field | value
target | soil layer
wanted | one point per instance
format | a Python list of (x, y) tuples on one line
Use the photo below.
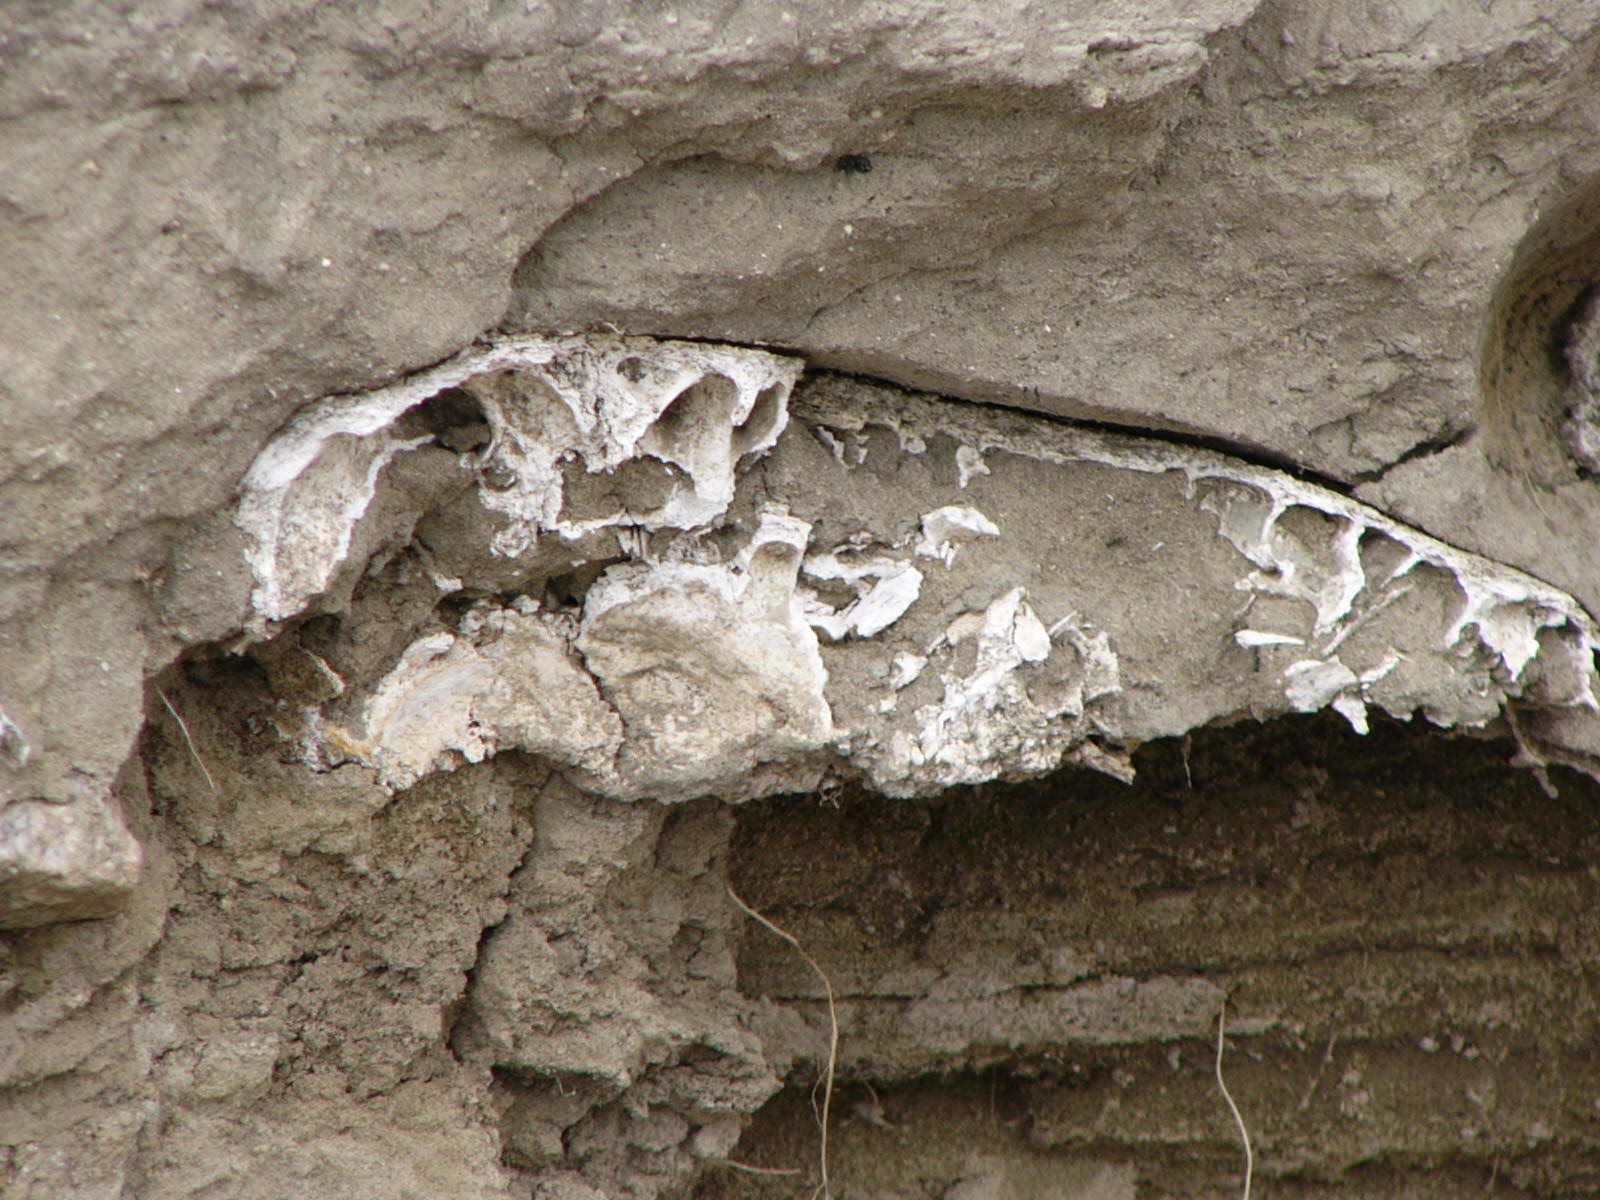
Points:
[(1403, 927)]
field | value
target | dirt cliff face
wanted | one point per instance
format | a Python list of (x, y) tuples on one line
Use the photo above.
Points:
[(556, 559)]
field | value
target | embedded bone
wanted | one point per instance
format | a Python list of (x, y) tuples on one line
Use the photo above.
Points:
[(606, 400), (886, 587), (1303, 544), (944, 529), (513, 684), (687, 675), (713, 670)]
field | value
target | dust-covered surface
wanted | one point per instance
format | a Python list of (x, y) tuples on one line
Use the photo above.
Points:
[(391, 620), (434, 891)]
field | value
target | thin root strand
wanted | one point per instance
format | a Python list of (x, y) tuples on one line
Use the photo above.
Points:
[(1244, 1134), (833, 1033)]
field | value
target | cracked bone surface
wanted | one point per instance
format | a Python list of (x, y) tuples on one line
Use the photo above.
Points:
[(689, 666), (1102, 527), (601, 402)]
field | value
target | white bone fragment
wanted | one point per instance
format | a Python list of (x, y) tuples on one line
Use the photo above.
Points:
[(893, 588), (944, 529), (1100, 667), (1353, 709), (885, 603), (987, 717), (906, 669), (871, 614), (1259, 637), (970, 464), (1311, 683), (1031, 638), (632, 541)]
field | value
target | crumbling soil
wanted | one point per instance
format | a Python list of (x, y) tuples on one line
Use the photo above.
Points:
[(254, 944), (1402, 927), (493, 984)]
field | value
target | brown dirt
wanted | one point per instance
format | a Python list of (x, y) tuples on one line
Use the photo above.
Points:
[(1403, 925)]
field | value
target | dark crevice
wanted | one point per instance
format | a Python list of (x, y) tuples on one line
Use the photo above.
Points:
[(1447, 440), (1257, 456), (458, 1011), (1245, 452)]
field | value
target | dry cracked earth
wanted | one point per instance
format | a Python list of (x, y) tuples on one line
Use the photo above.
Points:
[(610, 600)]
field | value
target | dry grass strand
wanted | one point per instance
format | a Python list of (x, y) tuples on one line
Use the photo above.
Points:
[(752, 1169), (1244, 1134), (183, 727), (833, 1035)]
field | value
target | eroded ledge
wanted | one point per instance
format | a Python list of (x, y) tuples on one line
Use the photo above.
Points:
[(911, 590)]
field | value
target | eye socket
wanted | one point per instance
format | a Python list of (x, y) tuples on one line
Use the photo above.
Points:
[(764, 416)]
